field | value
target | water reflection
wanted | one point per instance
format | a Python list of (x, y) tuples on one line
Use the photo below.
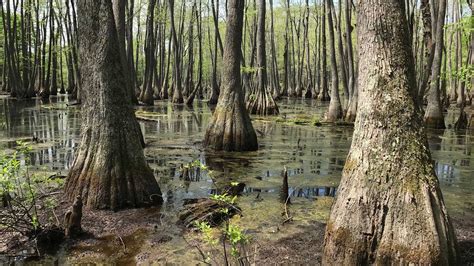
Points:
[(314, 156), (298, 192)]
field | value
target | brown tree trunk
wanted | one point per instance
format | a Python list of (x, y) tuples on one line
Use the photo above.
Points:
[(340, 48), (335, 109), (434, 117), (217, 41), (177, 90), (323, 93), (230, 128), (119, 13), (262, 102), (352, 73), (146, 95), (425, 9), (110, 171), (275, 76), (389, 209)]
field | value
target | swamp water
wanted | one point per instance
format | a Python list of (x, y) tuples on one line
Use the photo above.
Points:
[(313, 155)]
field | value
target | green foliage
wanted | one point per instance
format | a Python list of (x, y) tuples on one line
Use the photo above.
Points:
[(207, 233), (300, 120), (464, 74), (224, 198), (236, 236), (230, 234), (20, 192), (248, 70)]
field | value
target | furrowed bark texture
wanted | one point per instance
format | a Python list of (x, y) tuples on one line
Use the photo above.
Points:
[(389, 209), (109, 171), (230, 128)]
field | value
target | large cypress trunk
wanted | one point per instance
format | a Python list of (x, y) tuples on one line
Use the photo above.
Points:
[(389, 209), (230, 128), (110, 171)]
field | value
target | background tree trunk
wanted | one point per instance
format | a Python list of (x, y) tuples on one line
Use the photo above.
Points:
[(434, 117), (262, 102), (323, 93), (230, 128), (335, 109)]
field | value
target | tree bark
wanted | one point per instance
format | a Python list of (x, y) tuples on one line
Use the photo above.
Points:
[(323, 93), (230, 128), (109, 171), (389, 209), (262, 102), (146, 95), (335, 109), (177, 90), (119, 14), (434, 117)]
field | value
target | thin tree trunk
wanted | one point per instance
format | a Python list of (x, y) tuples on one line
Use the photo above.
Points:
[(323, 93), (434, 117), (335, 109)]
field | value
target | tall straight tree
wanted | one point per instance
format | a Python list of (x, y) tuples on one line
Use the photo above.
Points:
[(434, 117), (389, 209), (146, 95), (323, 93), (230, 128), (335, 109), (119, 7), (177, 90), (262, 102), (109, 171)]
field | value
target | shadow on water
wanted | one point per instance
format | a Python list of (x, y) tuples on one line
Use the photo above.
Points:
[(314, 156)]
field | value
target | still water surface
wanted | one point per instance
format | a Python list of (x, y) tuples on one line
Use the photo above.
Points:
[(314, 156)]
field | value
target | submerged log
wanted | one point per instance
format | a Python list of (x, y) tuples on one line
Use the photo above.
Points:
[(205, 210)]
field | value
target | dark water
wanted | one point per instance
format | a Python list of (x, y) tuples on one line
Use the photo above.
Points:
[(314, 156)]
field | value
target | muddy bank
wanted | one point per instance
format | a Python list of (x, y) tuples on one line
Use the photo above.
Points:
[(152, 235)]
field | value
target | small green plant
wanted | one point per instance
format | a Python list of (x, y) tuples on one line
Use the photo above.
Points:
[(21, 192), (229, 234), (248, 70), (236, 237), (300, 120), (206, 230)]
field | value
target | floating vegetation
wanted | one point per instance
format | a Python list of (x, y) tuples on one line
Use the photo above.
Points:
[(300, 119)]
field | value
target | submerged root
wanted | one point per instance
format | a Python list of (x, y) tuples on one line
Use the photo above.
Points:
[(262, 104), (334, 112), (231, 130)]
